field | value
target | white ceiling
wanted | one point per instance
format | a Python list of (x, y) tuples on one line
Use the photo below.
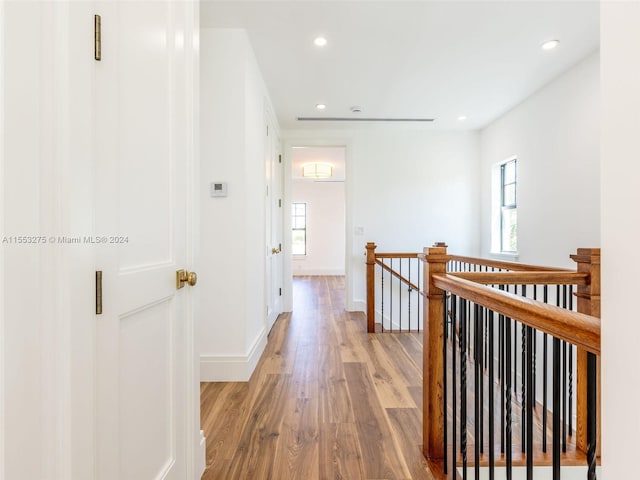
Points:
[(439, 59), (334, 156)]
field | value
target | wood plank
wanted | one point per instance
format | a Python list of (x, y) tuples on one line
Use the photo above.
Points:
[(340, 455), (335, 402), (377, 443), (297, 447), (387, 377), (407, 427), (223, 413), (255, 454)]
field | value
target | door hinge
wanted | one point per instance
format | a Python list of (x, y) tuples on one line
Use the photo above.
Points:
[(97, 37), (280, 291), (279, 158), (267, 130), (280, 202), (98, 292)]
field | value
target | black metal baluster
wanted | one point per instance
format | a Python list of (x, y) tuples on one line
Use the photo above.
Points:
[(480, 312), (409, 309), (523, 376), (382, 299), (507, 400), (468, 330), (390, 297), (529, 402), (419, 284), (570, 370), (564, 397), (463, 387), (592, 412), (555, 437), (491, 394), (444, 376), (501, 369), (477, 385), (535, 351), (400, 296), (564, 380), (515, 360), (454, 379), (515, 353), (486, 342)]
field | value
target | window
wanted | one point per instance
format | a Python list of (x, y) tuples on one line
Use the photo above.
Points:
[(508, 207), (299, 228)]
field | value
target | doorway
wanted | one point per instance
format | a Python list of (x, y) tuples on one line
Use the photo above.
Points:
[(318, 213)]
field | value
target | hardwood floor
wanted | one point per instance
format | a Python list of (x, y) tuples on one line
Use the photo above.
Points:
[(326, 401)]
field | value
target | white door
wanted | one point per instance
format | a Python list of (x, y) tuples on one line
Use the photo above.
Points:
[(143, 150), (275, 205)]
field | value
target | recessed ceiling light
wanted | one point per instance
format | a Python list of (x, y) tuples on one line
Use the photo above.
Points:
[(321, 106), (320, 41), (550, 44), (462, 118)]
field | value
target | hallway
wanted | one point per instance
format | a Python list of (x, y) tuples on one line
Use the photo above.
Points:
[(326, 401)]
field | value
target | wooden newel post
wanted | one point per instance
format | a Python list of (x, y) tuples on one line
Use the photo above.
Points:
[(371, 287), (588, 301), (435, 262)]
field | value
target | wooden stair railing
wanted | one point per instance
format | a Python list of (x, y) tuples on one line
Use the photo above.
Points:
[(581, 328), (373, 259)]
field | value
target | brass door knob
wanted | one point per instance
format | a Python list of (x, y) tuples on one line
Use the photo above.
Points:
[(183, 276), (275, 251)]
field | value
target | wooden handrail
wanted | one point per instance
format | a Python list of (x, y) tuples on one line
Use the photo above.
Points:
[(525, 278), (398, 276), (397, 255), (514, 266), (573, 327), (374, 258)]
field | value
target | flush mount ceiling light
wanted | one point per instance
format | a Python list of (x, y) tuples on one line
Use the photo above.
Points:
[(320, 41), (317, 170), (549, 44), (321, 106), (462, 118)]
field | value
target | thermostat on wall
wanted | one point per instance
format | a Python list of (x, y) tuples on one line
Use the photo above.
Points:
[(218, 189)]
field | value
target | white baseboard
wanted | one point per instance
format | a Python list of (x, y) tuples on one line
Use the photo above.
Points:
[(318, 271), (357, 306), (227, 368)]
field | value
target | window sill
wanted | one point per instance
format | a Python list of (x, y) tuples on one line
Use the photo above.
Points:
[(299, 257)]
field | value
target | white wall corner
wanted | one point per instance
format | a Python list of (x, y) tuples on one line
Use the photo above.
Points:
[(230, 368), (357, 306)]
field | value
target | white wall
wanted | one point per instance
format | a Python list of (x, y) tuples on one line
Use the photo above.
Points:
[(231, 261), (325, 228), (406, 187), (620, 47), (555, 136)]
